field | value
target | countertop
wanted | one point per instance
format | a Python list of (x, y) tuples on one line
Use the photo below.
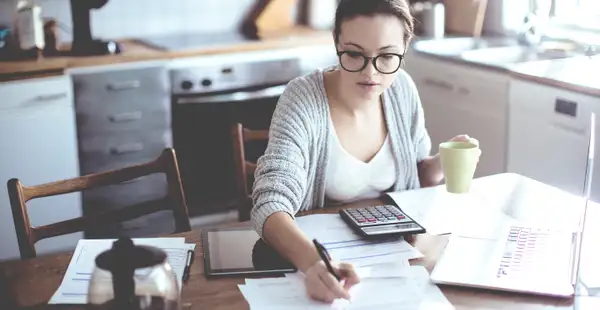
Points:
[(134, 50), (579, 74)]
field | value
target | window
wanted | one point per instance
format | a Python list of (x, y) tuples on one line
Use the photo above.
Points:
[(578, 14)]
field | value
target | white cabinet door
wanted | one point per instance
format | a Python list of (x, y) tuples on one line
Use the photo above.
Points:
[(548, 134), (460, 99), (38, 145)]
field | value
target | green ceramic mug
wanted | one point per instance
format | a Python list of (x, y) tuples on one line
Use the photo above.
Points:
[(459, 161)]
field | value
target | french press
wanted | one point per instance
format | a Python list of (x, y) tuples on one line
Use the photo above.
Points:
[(133, 277)]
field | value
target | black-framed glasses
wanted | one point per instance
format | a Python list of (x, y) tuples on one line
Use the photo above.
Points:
[(385, 63)]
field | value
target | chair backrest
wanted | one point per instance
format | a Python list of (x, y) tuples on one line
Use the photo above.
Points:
[(27, 235), (244, 169)]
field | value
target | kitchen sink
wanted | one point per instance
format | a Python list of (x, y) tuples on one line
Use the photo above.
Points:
[(456, 46), (514, 54)]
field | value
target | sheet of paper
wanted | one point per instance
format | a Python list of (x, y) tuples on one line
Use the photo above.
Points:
[(74, 287), (326, 228), (383, 270), (430, 207), (385, 286), (498, 200), (365, 252)]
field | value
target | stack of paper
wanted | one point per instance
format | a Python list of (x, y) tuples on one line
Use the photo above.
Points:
[(343, 244), (384, 286), (74, 287)]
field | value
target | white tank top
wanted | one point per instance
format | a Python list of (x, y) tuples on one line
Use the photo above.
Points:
[(349, 179)]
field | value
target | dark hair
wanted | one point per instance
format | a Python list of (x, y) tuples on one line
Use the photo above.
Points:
[(348, 9)]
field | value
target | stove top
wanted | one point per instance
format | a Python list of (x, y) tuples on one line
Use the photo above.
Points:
[(183, 41)]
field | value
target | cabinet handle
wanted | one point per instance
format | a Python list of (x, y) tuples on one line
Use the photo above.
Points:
[(37, 101), (439, 84), (125, 117), (240, 96), (50, 97), (124, 85), (127, 148)]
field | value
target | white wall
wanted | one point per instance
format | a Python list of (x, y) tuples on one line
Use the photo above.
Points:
[(504, 16), (140, 18)]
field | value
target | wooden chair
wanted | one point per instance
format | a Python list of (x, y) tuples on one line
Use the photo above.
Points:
[(244, 169), (27, 235)]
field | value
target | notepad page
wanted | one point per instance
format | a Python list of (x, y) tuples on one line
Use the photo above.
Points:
[(74, 286), (401, 287)]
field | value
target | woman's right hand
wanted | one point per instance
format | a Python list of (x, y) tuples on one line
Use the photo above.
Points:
[(322, 285)]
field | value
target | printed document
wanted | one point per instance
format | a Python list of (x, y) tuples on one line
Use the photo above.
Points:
[(74, 287), (385, 286), (494, 201), (343, 244), (327, 228)]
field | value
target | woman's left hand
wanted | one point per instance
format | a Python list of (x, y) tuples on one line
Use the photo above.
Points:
[(466, 138)]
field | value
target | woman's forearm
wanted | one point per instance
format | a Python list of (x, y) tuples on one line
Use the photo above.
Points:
[(283, 234), (430, 171)]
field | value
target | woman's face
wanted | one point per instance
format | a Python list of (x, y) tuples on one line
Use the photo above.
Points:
[(370, 36)]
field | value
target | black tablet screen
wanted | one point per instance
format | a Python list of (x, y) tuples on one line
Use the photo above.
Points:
[(240, 251)]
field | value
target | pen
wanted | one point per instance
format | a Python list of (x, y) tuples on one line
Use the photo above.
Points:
[(325, 257), (188, 263)]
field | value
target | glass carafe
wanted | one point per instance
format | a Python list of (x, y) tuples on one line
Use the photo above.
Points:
[(133, 277)]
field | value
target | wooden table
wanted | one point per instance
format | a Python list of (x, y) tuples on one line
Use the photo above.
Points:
[(31, 283)]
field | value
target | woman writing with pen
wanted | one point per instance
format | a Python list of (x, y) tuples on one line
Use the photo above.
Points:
[(349, 132)]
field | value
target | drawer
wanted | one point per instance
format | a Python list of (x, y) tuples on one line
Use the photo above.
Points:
[(135, 88), (559, 108), (106, 152), (36, 91), (121, 118)]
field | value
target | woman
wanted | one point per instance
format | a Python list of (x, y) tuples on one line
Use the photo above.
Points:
[(344, 133)]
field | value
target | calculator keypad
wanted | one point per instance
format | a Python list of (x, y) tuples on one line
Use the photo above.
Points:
[(385, 214)]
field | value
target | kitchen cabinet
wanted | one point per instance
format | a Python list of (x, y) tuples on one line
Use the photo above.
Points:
[(462, 99), (124, 119), (548, 135), (38, 142)]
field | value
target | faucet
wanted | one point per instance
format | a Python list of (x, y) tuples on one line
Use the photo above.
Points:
[(530, 33), (591, 50)]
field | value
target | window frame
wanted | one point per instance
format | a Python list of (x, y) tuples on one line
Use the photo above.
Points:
[(575, 21)]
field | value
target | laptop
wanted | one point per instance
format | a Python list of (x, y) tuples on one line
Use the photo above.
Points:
[(523, 259)]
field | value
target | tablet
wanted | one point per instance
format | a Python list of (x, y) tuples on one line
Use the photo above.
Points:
[(240, 251)]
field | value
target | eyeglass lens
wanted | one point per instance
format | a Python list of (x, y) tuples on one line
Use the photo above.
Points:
[(384, 63)]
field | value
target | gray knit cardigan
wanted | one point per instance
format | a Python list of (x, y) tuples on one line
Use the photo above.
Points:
[(290, 176)]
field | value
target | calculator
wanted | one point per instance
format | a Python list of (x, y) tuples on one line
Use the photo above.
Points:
[(383, 220)]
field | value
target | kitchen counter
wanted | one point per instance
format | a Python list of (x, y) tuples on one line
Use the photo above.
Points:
[(578, 73), (134, 50)]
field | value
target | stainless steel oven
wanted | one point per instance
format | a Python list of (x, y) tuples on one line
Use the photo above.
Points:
[(207, 99)]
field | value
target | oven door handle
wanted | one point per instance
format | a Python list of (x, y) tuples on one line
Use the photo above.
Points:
[(239, 96)]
